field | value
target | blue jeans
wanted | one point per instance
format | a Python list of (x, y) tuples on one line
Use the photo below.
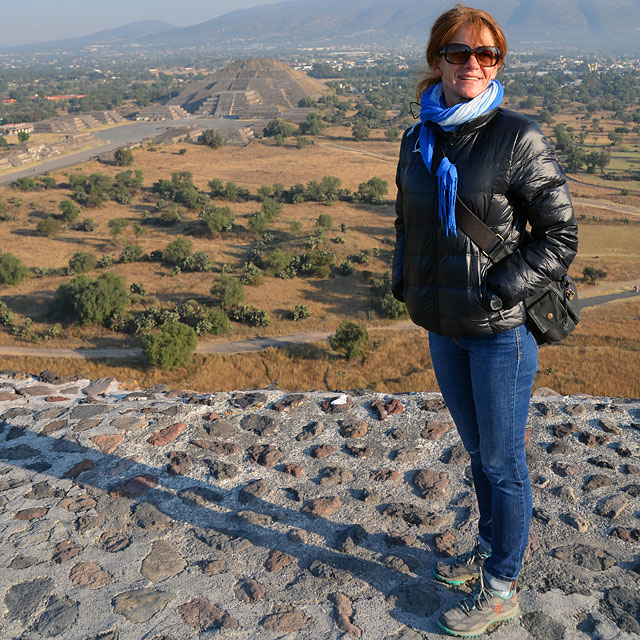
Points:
[(486, 381)]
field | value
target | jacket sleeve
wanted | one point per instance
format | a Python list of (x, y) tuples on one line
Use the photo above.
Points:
[(397, 277), (538, 190)]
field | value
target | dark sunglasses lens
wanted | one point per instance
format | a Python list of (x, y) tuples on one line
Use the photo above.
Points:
[(457, 53), (486, 57), (460, 53)]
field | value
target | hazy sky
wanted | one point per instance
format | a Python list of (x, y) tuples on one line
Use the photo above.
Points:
[(27, 21)]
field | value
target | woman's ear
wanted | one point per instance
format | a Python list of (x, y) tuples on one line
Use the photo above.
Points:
[(435, 67)]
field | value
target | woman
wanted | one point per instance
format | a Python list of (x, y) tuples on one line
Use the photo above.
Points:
[(483, 354)]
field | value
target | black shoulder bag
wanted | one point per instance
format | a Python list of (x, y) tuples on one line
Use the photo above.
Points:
[(552, 313)]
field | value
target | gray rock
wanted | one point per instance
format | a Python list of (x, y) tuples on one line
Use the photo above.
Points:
[(220, 429), (19, 452), (140, 605), (22, 600), (542, 627), (622, 605), (242, 401), (221, 470), (148, 516), (612, 506), (310, 431), (200, 496), (585, 556), (261, 425), (162, 562), (101, 385), (60, 615), (85, 411), (597, 481), (254, 490)]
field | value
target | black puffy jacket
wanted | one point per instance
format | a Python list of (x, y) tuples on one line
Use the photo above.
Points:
[(508, 176)]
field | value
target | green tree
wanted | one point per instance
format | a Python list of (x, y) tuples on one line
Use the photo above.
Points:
[(23, 136), (171, 346), (229, 291), (313, 125), (278, 127), (350, 339), (3, 143), (12, 271), (117, 226), (123, 157), (324, 221), (360, 131), (91, 301), (217, 219), (373, 190), (391, 134), (591, 274), (211, 138), (69, 211), (82, 261), (49, 227), (131, 253), (176, 252)]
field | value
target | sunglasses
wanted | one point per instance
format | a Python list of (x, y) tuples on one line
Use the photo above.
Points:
[(459, 54)]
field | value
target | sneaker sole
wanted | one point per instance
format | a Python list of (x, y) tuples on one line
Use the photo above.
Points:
[(455, 583), (467, 634)]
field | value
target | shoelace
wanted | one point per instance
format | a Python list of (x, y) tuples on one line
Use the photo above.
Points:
[(470, 556), (476, 600)]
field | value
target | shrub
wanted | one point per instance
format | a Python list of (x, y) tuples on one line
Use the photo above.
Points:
[(91, 301), (211, 138), (123, 157), (252, 274), (104, 262), (138, 288), (347, 268), (82, 261), (6, 315), (317, 264), (23, 330), (69, 211), (300, 312), (392, 308), (372, 191), (258, 223), (172, 346), (88, 224), (271, 208), (350, 339), (324, 221), (117, 226), (215, 322), (250, 315), (276, 262), (131, 253), (49, 227), (200, 261), (229, 291), (295, 226), (278, 127), (176, 252), (170, 217), (302, 142), (40, 272), (360, 131), (391, 134), (217, 219), (12, 270)]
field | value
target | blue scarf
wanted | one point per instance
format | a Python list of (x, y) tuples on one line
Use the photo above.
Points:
[(433, 109)]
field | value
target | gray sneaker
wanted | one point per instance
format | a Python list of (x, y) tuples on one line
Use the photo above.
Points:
[(462, 568), (479, 611)]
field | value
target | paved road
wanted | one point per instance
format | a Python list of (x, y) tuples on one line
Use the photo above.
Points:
[(609, 206), (119, 136)]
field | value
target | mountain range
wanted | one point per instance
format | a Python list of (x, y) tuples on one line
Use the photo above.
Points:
[(537, 25)]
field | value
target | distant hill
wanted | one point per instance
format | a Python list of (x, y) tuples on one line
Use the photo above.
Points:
[(125, 34), (540, 25)]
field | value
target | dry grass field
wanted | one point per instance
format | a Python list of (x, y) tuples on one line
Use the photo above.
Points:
[(601, 358)]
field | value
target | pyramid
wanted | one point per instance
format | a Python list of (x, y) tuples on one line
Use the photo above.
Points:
[(253, 88)]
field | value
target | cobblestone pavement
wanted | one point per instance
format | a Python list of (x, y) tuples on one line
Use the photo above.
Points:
[(162, 514)]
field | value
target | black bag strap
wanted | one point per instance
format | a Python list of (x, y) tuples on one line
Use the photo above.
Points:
[(490, 243)]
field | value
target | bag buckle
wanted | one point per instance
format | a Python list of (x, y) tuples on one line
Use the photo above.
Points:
[(499, 251)]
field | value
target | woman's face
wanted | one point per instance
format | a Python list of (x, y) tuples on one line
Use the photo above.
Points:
[(463, 82)]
